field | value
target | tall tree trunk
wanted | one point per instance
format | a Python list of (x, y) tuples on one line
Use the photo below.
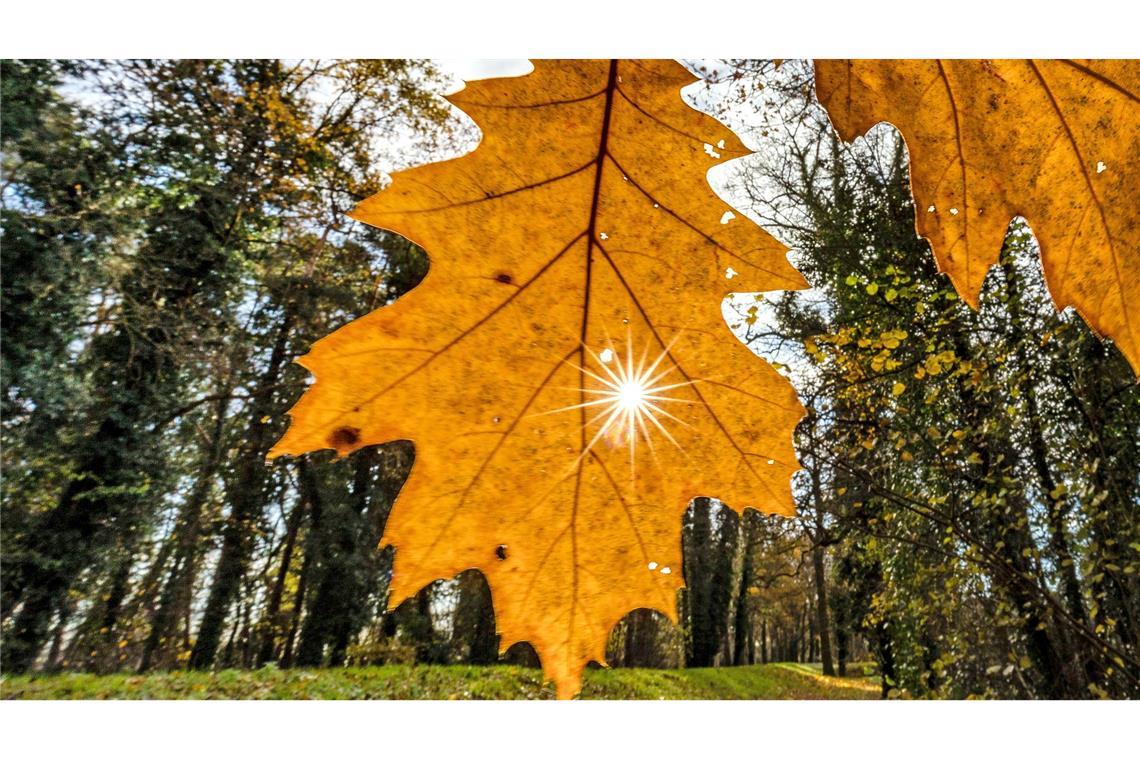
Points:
[(1044, 650), (709, 579), (1014, 573), (823, 624), (94, 645), (310, 495), (337, 607), (272, 620), (745, 644), (247, 500), (174, 600), (295, 616), (842, 626), (812, 640), (357, 548), (702, 640), (641, 637), (1057, 511), (885, 655), (145, 599), (55, 654), (1056, 503), (117, 593), (475, 620)]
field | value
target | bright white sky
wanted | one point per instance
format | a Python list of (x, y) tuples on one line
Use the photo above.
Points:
[(470, 69)]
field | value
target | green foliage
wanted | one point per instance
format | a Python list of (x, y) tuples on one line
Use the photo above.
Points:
[(167, 251), (962, 469)]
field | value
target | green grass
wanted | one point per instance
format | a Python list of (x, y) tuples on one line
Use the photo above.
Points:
[(776, 681)]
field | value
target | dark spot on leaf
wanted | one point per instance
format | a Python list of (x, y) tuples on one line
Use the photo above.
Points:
[(344, 437), (504, 278), (501, 551)]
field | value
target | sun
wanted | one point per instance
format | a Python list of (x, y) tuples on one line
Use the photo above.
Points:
[(628, 399), (631, 395)]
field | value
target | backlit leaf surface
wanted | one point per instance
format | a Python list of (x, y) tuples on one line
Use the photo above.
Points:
[(580, 236)]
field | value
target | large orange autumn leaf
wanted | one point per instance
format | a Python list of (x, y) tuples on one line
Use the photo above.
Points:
[(1057, 142), (580, 237)]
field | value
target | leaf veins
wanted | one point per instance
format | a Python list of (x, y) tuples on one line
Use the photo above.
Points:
[(581, 227), (1057, 142)]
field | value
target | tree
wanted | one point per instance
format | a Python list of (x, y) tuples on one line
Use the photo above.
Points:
[(922, 412), (190, 136), (709, 539)]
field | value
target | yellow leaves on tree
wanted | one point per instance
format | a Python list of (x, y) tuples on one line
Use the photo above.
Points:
[(1057, 142), (564, 370)]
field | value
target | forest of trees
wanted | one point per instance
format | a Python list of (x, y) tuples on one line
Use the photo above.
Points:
[(175, 234)]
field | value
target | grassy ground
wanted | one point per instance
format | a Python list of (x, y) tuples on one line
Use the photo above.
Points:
[(776, 681)]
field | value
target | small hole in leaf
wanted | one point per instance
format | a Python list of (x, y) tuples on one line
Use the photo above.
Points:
[(496, 419), (652, 565), (930, 209), (606, 356), (604, 236), (730, 273), (1100, 167), (501, 551), (727, 217), (953, 212), (665, 571)]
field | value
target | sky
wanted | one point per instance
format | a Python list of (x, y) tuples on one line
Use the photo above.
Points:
[(470, 69)]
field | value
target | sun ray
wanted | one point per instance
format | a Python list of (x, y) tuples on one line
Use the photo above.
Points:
[(629, 396), (596, 402), (661, 411), (665, 432)]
